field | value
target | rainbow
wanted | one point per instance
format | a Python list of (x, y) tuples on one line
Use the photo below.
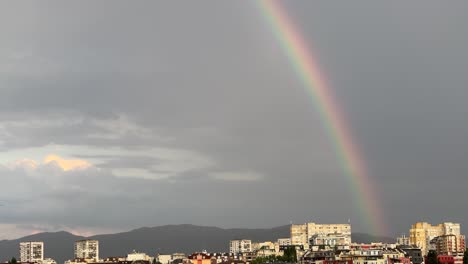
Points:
[(307, 68)]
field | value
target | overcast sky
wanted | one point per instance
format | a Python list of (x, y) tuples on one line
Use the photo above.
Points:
[(117, 115)]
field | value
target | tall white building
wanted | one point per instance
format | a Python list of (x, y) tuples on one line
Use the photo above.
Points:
[(240, 246), (87, 249), (31, 251), (302, 234)]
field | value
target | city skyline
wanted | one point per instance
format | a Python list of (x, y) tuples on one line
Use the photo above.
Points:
[(307, 240), (233, 114)]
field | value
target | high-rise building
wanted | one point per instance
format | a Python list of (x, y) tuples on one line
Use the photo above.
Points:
[(31, 251), (451, 245), (299, 235), (240, 246), (302, 234), (87, 249), (422, 233)]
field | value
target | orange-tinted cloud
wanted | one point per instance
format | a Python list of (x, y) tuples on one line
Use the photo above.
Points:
[(67, 164)]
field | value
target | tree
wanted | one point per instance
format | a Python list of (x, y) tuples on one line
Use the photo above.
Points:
[(13, 261), (432, 257), (465, 257), (290, 254)]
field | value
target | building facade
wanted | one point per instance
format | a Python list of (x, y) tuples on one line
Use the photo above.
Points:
[(376, 253), (403, 240), (284, 241), (330, 240), (164, 258), (413, 253), (87, 249), (31, 251), (48, 261), (299, 235), (451, 245), (302, 234), (422, 233), (240, 246), (135, 256)]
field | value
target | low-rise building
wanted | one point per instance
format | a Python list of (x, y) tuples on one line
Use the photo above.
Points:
[(47, 261), (76, 261), (331, 240), (375, 253), (284, 241), (403, 240), (164, 258), (134, 256), (413, 253), (217, 258), (443, 259), (176, 256)]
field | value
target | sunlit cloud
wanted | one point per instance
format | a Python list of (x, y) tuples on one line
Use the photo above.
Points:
[(27, 164), (67, 164)]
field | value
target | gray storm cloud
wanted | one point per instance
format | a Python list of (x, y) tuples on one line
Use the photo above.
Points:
[(191, 113)]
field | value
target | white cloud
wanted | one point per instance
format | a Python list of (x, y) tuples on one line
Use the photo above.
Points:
[(166, 162)]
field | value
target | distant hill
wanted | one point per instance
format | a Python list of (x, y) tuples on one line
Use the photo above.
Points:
[(161, 239), (58, 245)]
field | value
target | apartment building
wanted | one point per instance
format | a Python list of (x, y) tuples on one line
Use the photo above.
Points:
[(422, 233), (48, 261), (31, 251), (87, 249), (330, 240), (215, 258), (451, 245), (240, 246), (412, 252), (299, 235), (136, 256), (284, 241), (355, 254), (302, 234), (403, 240), (263, 245)]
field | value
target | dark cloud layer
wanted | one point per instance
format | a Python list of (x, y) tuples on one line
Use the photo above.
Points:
[(191, 113)]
